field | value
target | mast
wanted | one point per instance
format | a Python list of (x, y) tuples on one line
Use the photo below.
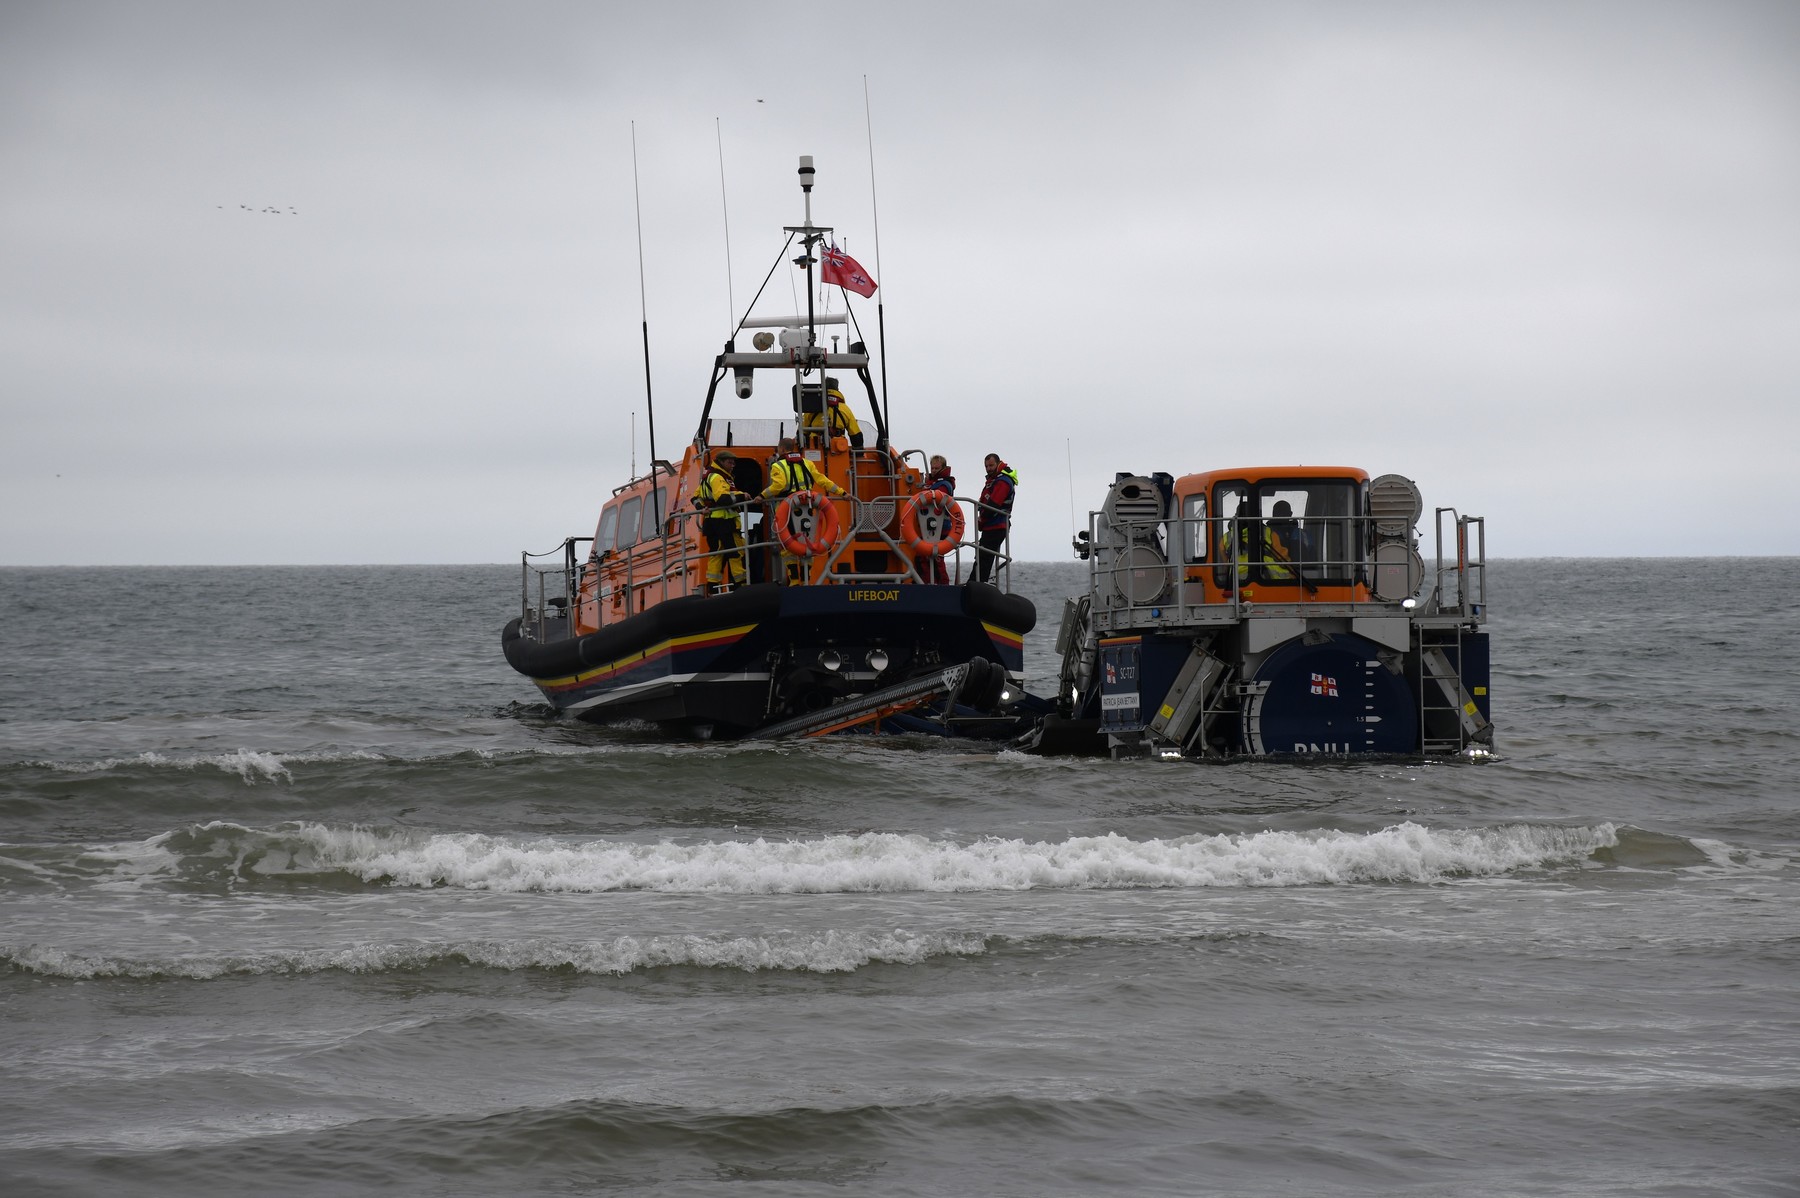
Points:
[(810, 239), (810, 358)]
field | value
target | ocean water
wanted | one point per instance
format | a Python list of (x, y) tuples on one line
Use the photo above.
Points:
[(302, 891)]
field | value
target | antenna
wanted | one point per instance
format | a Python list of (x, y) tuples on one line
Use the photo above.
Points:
[(806, 186), (730, 298), (875, 210), (644, 313)]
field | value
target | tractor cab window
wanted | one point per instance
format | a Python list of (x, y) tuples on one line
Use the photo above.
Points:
[(1285, 535), (1231, 501), (1193, 527), (1231, 540), (1311, 525)]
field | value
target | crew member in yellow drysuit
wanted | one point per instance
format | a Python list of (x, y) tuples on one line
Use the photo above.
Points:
[(720, 499), (837, 418), (789, 474)]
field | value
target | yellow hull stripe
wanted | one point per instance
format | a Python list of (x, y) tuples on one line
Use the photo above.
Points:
[(657, 650), (1003, 636)]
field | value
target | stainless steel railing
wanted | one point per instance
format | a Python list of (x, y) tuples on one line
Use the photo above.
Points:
[(1153, 570), (552, 582)]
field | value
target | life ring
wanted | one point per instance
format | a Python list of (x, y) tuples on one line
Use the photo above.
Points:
[(939, 505), (824, 524)]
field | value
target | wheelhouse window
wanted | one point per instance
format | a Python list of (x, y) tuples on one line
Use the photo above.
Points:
[(655, 505), (628, 521), (609, 525), (665, 502)]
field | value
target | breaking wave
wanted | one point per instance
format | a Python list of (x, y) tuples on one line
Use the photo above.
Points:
[(821, 952), (867, 862), (247, 764)]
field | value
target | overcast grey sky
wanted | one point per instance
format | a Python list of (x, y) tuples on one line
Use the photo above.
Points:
[(1542, 258)]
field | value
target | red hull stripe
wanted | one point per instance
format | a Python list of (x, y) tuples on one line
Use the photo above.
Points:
[(702, 640), (1004, 637)]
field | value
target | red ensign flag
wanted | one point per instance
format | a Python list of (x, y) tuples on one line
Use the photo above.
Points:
[(835, 266)]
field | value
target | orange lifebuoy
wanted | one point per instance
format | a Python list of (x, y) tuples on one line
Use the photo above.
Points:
[(824, 523), (931, 503)]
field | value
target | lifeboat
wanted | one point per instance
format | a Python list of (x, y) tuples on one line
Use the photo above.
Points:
[(813, 589), (1273, 611)]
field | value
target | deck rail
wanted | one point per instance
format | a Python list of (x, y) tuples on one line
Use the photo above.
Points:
[(552, 582), (1201, 570)]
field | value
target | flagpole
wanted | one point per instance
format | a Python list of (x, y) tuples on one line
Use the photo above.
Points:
[(875, 210)]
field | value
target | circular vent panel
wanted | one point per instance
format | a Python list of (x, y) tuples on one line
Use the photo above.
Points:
[(1394, 505), (1140, 575)]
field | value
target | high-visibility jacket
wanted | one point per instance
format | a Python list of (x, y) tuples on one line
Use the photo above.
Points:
[(1274, 558), (791, 473), (718, 495)]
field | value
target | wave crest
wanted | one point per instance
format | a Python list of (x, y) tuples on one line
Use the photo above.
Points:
[(866, 862), (247, 764), (821, 952)]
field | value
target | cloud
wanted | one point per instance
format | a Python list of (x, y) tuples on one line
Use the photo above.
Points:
[(1540, 258)]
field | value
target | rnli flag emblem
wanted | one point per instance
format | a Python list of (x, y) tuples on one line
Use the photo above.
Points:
[(840, 268), (1324, 685)]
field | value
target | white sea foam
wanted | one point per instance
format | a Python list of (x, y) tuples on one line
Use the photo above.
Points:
[(247, 764), (1724, 858), (250, 766), (822, 952), (1406, 852)]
